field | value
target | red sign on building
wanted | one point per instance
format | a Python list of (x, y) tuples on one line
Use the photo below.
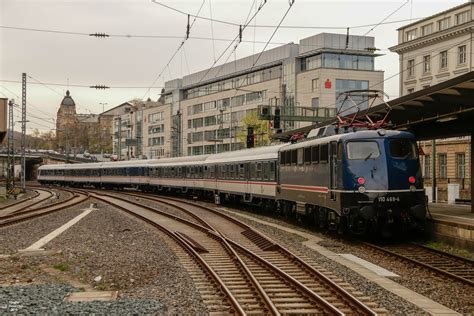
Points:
[(327, 84)]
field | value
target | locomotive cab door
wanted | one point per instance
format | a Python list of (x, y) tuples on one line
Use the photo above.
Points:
[(332, 169)]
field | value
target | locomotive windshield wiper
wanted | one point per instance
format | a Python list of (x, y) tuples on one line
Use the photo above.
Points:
[(370, 155)]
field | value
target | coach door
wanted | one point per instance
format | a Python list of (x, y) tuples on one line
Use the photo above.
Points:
[(333, 169)]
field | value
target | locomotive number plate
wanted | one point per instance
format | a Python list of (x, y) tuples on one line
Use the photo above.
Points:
[(388, 199)]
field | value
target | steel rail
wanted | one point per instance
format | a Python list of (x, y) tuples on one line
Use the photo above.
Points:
[(352, 299), (233, 301), (41, 211), (423, 264), (20, 201), (336, 288)]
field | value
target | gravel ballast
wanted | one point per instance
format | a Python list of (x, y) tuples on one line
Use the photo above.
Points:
[(106, 250), (49, 299), (445, 291)]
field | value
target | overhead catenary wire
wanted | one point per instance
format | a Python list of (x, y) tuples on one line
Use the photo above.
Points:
[(189, 27), (112, 35), (233, 52), (241, 29), (270, 26)]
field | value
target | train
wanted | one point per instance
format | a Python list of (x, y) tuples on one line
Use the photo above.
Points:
[(362, 182)]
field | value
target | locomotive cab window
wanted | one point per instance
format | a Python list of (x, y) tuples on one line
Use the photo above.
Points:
[(362, 150), (282, 158), (402, 149), (288, 157)]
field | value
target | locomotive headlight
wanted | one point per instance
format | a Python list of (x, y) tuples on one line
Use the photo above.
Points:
[(361, 180), (411, 179), (361, 189), (412, 188)]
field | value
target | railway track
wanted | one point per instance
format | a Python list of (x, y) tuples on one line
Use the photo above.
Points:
[(260, 275), (26, 213), (21, 201), (455, 267), (41, 196)]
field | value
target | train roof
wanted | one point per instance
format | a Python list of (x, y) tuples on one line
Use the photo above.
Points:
[(366, 134), (178, 161), (260, 153)]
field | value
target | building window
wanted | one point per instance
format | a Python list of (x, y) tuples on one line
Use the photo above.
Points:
[(426, 87), (410, 90), (427, 165), (444, 24), (427, 29), (315, 103), (315, 84), (443, 166), (426, 64), (411, 35), (462, 17), (460, 166), (462, 54), (411, 68), (443, 59)]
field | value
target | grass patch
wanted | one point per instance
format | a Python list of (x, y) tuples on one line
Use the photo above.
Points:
[(450, 249), (61, 266)]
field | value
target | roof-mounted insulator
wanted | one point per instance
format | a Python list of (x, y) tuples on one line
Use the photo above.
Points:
[(99, 35), (99, 87), (188, 28)]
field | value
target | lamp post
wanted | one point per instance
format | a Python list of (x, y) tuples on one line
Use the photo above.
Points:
[(100, 129)]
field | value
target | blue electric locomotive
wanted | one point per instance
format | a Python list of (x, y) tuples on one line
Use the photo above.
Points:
[(362, 181)]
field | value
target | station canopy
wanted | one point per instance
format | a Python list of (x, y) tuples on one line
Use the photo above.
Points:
[(440, 111)]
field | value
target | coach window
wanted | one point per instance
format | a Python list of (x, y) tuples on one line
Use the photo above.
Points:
[(315, 154), (300, 156), (307, 155), (323, 154), (259, 171), (253, 170), (272, 171), (241, 171), (266, 171)]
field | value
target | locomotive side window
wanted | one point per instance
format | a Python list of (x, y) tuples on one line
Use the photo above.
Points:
[(241, 171), (323, 153), (362, 150), (288, 157), (339, 151), (294, 157), (402, 149), (315, 154), (307, 155), (300, 156), (282, 158)]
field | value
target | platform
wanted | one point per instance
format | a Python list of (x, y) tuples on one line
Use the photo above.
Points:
[(453, 223)]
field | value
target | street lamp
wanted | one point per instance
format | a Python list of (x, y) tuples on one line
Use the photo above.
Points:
[(103, 104)]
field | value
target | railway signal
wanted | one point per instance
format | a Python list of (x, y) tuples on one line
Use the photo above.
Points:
[(250, 137)]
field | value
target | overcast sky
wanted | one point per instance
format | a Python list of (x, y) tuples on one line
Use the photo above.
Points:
[(137, 61)]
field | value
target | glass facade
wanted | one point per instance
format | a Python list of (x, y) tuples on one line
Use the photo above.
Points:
[(341, 61)]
